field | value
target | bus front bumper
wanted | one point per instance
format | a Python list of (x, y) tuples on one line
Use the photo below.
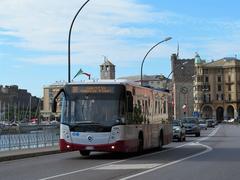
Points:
[(118, 146)]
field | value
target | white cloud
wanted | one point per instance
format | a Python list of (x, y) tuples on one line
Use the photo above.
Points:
[(48, 21), (100, 29), (115, 28)]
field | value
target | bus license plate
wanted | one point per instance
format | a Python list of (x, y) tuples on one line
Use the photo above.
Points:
[(89, 148)]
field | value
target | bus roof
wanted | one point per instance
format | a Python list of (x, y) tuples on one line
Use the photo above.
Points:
[(102, 81), (115, 81)]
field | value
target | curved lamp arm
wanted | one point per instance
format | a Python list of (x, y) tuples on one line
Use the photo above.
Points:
[(166, 39), (69, 41)]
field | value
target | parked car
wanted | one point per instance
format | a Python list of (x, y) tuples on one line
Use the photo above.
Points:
[(54, 122), (203, 124), (191, 125), (210, 123), (179, 131)]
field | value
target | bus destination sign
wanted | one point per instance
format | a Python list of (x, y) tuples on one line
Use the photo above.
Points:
[(92, 89)]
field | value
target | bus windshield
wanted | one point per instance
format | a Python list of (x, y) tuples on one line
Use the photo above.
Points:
[(103, 109)]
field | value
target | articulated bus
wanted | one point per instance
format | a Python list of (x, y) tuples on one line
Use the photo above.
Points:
[(113, 116)]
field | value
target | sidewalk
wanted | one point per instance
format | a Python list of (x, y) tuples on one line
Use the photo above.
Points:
[(25, 153)]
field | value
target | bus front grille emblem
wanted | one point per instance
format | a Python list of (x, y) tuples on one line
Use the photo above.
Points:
[(90, 138)]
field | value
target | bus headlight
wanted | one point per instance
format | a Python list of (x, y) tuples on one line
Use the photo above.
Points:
[(115, 134), (65, 133)]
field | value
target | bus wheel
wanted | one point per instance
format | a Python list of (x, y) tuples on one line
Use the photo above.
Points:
[(85, 153), (140, 144)]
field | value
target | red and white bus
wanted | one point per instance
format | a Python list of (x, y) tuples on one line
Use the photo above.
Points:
[(113, 116)]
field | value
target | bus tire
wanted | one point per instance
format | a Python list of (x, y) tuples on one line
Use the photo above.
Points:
[(140, 143), (160, 141), (85, 153)]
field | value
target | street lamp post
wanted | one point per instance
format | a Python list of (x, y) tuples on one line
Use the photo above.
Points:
[(69, 41), (166, 39)]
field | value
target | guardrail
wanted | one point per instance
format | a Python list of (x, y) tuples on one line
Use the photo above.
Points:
[(26, 137)]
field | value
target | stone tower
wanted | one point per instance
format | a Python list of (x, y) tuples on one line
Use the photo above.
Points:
[(182, 78), (107, 70)]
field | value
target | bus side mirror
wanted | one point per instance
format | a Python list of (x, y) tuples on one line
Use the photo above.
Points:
[(129, 101), (54, 103)]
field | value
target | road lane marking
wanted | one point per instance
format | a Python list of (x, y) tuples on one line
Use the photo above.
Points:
[(128, 166), (210, 135), (81, 170), (132, 158), (171, 163), (208, 149), (114, 162)]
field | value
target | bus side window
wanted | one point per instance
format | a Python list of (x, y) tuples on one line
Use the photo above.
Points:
[(129, 101)]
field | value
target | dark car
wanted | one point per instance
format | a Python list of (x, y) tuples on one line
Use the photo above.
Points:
[(191, 125), (210, 123), (203, 124)]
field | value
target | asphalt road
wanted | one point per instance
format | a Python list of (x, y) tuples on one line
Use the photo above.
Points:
[(214, 155)]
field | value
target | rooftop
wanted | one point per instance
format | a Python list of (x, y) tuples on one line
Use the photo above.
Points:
[(227, 61)]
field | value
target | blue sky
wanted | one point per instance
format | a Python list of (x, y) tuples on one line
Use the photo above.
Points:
[(33, 36)]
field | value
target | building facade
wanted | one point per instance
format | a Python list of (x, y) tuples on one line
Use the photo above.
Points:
[(17, 104), (217, 88), (182, 89)]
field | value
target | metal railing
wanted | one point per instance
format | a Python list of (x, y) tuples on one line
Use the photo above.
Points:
[(26, 137)]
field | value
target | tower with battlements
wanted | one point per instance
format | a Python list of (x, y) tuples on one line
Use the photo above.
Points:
[(107, 70)]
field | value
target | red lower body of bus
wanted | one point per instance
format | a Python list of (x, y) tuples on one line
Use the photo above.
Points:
[(118, 146)]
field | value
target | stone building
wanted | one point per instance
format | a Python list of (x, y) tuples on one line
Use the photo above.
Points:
[(15, 103), (182, 80), (107, 70), (217, 88)]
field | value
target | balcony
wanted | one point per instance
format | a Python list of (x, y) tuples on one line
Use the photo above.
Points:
[(231, 101), (229, 83), (207, 101)]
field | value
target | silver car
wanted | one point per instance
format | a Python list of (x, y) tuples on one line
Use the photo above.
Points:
[(179, 131)]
